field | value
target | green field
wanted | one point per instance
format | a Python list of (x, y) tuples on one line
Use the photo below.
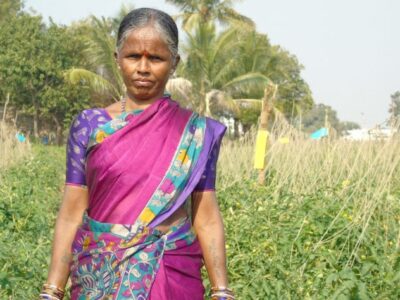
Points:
[(324, 226)]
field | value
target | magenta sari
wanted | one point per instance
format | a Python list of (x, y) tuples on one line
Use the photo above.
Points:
[(140, 170)]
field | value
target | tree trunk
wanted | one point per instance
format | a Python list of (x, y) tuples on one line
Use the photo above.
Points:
[(207, 111), (5, 107), (36, 119), (59, 131), (16, 117), (204, 99)]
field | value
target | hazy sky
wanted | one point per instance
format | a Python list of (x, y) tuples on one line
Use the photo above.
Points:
[(350, 49)]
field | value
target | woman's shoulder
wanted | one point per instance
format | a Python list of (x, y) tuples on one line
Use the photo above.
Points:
[(90, 113), (215, 125), (85, 122), (91, 116)]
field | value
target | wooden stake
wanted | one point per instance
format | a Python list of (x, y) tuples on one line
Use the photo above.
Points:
[(5, 107), (262, 135)]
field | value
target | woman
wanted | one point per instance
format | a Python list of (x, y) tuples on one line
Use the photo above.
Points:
[(139, 212)]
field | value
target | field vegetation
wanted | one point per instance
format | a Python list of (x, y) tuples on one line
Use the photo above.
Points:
[(11, 150), (325, 225)]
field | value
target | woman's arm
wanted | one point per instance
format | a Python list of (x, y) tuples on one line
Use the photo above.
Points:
[(207, 222), (74, 203)]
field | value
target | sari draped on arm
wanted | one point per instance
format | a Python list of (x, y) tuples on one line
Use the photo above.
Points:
[(140, 169)]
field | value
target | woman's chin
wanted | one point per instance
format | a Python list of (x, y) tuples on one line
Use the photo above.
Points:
[(144, 96)]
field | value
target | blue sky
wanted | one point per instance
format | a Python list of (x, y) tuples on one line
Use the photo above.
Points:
[(350, 49)]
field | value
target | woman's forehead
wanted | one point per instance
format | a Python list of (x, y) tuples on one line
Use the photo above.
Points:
[(147, 32), (145, 38)]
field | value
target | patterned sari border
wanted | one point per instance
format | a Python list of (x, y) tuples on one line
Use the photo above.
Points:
[(185, 157)]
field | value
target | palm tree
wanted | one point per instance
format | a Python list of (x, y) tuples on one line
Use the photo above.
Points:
[(213, 68), (204, 11), (102, 75)]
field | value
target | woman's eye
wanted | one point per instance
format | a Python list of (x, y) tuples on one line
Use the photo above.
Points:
[(156, 58), (134, 56)]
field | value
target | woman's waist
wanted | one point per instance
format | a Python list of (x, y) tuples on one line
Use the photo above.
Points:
[(175, 230)]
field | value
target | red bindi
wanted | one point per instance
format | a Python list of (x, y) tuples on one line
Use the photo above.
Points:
[(146, 54)]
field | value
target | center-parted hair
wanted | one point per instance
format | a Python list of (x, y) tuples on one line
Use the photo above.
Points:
[(142, 17)]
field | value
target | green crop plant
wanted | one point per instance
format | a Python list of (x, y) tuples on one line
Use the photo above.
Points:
[(11, 150), (325, 225)]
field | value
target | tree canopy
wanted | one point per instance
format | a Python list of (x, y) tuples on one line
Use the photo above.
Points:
[(322, 115), (9, 8), (33, 59), (50, 72)]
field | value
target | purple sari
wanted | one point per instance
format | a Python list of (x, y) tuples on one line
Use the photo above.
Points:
[(142, 169)]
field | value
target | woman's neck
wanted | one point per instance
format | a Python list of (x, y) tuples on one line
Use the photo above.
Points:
[(134, 104)]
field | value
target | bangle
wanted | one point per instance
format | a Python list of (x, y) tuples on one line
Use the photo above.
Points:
[(222, 293), (222, 296), (221, 288), (45, 296), (51, 291)]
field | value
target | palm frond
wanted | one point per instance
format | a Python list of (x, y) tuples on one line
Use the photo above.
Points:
[(224, 40), (254, 104), (245, 80), (224, 72), (230, 16), (97, 83), (189, 21)]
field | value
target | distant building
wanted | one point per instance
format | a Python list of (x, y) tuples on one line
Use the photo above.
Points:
[(364, 134), (230, 124)]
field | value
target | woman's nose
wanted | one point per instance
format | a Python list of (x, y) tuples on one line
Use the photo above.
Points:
[(143, 65)]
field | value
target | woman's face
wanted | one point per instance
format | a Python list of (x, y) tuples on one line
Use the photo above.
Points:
[(146, 62)]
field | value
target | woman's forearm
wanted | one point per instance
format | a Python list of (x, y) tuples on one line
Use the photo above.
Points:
[(208, 224), (212, 242), (68, 220), (61, 252)]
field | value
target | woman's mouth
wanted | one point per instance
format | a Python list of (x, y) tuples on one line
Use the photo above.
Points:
[(142, 83)]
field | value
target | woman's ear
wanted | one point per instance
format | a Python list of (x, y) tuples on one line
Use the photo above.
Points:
[(176, 62), (116, 59)]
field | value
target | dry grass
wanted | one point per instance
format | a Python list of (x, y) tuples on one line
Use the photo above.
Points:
[(11, 150), (364, 177)]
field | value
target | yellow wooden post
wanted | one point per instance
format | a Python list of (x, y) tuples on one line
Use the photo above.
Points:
[(262, 134)]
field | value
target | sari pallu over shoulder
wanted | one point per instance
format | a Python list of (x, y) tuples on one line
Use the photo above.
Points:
[(152, 161), (128, 165)]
